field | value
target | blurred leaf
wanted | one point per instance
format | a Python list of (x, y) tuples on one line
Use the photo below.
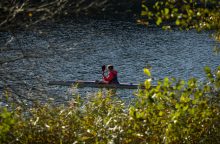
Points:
[(144, 13), (167, 11), (177, 22), (147, 83), (147, 72), (207, 69), (161, 113), (166, 82), (159, 21)]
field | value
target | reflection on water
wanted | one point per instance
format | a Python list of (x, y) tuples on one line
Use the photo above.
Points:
[(76, 50)]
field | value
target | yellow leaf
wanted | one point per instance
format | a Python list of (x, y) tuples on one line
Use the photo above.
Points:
[(147, 83), (143, 13), (147, 72), (30, 14), (159, 21), (166, 11), (161, 113), (85, 138), (177, 22)]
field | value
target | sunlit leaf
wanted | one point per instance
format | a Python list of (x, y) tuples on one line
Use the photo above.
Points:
[(144, 13), (177, 22), (167, 11), (147, 83), (159, 21), (147, 72), (166, 82)]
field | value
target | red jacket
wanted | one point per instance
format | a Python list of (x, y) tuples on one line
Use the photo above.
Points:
[(111, 78)]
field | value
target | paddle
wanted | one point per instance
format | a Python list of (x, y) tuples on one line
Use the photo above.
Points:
[(103, 71), (103, 68)]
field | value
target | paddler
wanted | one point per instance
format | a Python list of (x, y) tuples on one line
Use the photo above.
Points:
[(112, 75)]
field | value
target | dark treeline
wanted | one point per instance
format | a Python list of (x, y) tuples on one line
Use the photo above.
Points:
[(27, 12), (102, 7), (24, 13)]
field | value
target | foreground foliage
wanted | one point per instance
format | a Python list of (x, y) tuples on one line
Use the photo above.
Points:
[(184, 14), (171, 112)]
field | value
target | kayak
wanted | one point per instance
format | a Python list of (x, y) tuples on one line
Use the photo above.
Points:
[(96, 84)]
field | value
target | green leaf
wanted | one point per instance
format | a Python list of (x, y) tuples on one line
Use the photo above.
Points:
[(144, 13), (207, 69), (147, 83), (185, 108), (166, 11), (166, 27), (166, 82), (177, 106), (177, 22), (159, 21), (161, 113), (144, 6), (85, 138), (160, 106), (131, 111), (207, 88), (147, 72)]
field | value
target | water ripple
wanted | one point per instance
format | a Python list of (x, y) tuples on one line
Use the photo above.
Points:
[(77, 49)]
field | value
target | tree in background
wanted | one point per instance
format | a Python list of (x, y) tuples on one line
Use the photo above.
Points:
[(186, 14), (24, 13)]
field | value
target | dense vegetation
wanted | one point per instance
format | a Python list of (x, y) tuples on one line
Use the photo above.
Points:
[(172, 112), (16, 14), (186, 14)]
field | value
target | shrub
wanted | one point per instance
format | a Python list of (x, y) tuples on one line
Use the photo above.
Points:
[(170, 112)]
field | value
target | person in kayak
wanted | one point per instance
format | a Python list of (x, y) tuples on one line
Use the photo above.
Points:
[(112, 75)]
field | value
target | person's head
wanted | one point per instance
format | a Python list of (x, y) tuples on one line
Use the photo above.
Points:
[(110, 67)]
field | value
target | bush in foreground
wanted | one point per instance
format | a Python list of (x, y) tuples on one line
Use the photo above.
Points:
[(171, 112)]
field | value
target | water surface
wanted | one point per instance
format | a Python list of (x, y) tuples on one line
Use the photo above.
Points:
[(76, 50)]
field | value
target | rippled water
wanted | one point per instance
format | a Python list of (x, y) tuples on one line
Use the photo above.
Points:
[(76, 50)]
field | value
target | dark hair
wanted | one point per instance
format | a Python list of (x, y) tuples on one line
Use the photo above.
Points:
[(110, 67)]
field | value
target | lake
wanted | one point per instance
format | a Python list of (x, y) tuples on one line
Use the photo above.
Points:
[(76, 50)]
